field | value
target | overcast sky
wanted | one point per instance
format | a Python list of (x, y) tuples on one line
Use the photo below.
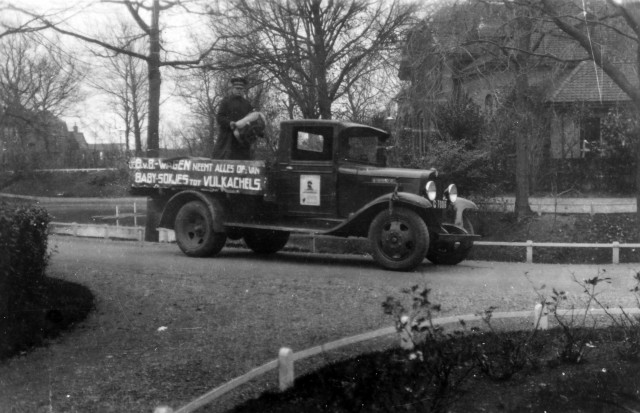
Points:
[(94, 117)]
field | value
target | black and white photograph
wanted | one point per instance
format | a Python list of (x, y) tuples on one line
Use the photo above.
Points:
[(319, 206)]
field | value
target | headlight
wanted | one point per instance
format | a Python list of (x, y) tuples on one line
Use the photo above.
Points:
[(451, 193), (431, 190)]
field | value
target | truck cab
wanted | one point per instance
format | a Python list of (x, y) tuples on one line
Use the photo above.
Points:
[(329, 178)]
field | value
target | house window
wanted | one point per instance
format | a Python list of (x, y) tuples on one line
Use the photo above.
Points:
[(590, 137), (489, 105)]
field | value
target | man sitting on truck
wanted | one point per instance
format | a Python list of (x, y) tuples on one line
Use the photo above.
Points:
[(232, 108)]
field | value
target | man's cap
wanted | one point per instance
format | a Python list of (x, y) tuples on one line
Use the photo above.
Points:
[(239, 81)]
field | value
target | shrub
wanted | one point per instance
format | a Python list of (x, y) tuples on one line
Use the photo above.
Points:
[(23, 251), (443, 361), (508, 352)]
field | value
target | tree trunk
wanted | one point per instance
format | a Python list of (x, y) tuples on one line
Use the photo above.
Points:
[(637, 133), (636, 103), (522, 208), (153, 137), (153, 62)]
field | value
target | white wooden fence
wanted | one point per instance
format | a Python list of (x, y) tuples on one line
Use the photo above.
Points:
[(97, 231), (529, 245), (167, 235), (285, 363)]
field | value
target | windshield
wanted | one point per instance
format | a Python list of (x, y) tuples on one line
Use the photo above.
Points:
[(368, 150)]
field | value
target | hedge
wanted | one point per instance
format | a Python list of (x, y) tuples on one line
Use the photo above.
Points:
[(23, 253)]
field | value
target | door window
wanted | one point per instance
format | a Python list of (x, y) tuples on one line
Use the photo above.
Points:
[(312, 144)]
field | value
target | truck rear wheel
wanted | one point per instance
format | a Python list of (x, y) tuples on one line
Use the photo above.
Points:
[(265, 241), (451, 253), (194, 231), (399, 239)]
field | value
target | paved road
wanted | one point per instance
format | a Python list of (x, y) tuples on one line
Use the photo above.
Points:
[(229, 314), (467, 285)]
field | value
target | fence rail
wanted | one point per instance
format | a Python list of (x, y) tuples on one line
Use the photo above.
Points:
[(97, 231), (285, 363), (529, 245), (167, 235)]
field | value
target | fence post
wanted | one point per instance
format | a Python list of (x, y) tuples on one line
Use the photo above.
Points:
[(540, 319), (135, 215), (285, 368), (616, 252), (529, 251), (406, 341), (140, 234), (117, 216)]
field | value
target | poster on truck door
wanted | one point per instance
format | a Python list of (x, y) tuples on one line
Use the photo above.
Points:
[(310, 190)]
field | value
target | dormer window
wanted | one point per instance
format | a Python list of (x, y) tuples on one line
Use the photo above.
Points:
[(489, 105)]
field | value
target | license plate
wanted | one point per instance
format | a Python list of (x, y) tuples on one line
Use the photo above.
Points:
[(439, 203)]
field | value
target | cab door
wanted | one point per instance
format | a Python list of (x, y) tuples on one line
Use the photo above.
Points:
[(306, 179)]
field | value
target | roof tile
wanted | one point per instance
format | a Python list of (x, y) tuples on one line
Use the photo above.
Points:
[(588, 83)]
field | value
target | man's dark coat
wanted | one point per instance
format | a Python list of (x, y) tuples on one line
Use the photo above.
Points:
[(232, 108)]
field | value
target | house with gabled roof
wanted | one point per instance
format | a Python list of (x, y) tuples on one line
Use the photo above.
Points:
[(457, 59), (589, 88), (43, 142)]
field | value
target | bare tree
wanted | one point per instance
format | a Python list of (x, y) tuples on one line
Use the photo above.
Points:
[(616, 24), (37, 83), (521, 22), (315, 50), (125, 82), (150, 30), (10, 26), (370, 95), (202, 90)]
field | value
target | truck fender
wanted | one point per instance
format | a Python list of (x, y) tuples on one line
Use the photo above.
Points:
[(174, 204), (459, 206), (358, 222), (397, 198)]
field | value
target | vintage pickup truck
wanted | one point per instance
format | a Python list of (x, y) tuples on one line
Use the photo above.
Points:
[(329, 178)]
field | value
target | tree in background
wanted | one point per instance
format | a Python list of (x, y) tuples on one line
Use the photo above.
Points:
[(37, 83), (315, 51), (150, 31), (609, 32), (126, 84), (202, 90), (9, 26), (369, 97), (146, 29)]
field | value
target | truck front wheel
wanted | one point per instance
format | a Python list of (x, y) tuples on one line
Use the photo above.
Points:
[(194, 231), (265, 241), (399, 239)]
